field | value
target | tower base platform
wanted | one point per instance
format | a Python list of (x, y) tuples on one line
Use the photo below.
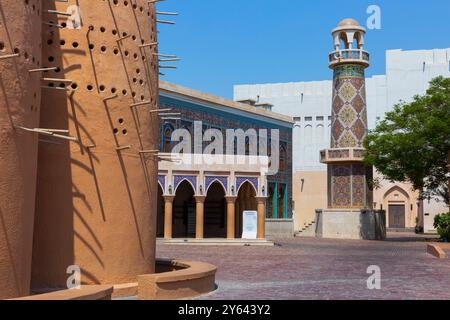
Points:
[(351, 224)]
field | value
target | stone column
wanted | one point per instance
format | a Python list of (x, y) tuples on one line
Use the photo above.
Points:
[(200, 217), (261, 201), (231, 217), (168, 216)]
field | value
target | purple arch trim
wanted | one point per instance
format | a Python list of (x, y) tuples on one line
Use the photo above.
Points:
[(177, 180), (209, 180), (241, 180)]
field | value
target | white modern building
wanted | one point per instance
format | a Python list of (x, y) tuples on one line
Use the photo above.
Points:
[(408, 73)]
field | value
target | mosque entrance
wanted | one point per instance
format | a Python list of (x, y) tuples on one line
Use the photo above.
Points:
[(184, 211), (215, 212), (246, 201)]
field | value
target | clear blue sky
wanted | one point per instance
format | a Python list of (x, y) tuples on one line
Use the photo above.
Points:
[(223, 43)]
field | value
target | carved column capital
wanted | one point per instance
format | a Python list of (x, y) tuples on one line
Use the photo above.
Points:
[(231, 199), (169, 198), (200, 199)]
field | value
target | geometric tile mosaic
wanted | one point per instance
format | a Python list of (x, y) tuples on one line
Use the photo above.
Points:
[(347, 91), (347, 140), (347, 116), (358, 104), (348, 181), (360, 131)]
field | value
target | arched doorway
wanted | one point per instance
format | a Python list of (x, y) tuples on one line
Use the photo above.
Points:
[(246, 201), (397, 203), (160, 214), (215, 212), (184, 211)]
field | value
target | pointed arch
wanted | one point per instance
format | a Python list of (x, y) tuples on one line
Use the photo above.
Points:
[(398, 189), (216, 180), (182, 181), (215, 212), (343, 40), (244, 181), (358, 40), (245, 201), (184, 210), (179, 179)]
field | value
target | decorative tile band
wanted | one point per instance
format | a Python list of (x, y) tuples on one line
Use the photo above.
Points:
[(339, 154), (359, 153), (349, 70), (349, 127), (341, 186), (349, 187)]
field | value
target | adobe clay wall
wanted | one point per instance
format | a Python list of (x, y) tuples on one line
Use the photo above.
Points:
[(95, 206), (20, 25)]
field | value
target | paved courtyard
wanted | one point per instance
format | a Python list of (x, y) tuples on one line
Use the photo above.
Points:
[(308, 268)]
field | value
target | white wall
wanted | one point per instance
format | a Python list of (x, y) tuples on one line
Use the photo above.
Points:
[(409, 72), (430, 210)]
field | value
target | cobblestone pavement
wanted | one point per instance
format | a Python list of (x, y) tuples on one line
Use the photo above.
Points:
[(309, 268)]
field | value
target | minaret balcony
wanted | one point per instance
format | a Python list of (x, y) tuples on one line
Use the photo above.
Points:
[(342, 155), (349, 56)]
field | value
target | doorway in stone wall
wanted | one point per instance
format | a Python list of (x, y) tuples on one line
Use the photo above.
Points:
[(184, 211), (215, 212), (397, 216), (246, 201)]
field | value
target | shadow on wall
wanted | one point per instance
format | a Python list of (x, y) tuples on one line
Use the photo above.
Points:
[(19, 99), (10, 258), (54, 222)]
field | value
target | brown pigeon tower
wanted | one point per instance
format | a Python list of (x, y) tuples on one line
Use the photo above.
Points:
[(20, 78), (94, 201)]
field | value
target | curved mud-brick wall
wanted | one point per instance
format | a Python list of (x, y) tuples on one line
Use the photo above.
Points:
[(20, 26), (96, 201)]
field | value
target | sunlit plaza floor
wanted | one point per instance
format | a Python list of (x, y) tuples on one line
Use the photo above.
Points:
[(309, 268)]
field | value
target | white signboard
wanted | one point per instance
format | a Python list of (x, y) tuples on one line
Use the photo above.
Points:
[(250, 225)]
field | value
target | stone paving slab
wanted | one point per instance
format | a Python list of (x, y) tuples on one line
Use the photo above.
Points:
[(214, 242), (310, 268)]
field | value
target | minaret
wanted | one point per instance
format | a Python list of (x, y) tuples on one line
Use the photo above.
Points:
[(348, 176)]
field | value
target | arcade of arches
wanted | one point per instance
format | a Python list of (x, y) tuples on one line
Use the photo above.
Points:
[(200, 201), (218, 215)]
